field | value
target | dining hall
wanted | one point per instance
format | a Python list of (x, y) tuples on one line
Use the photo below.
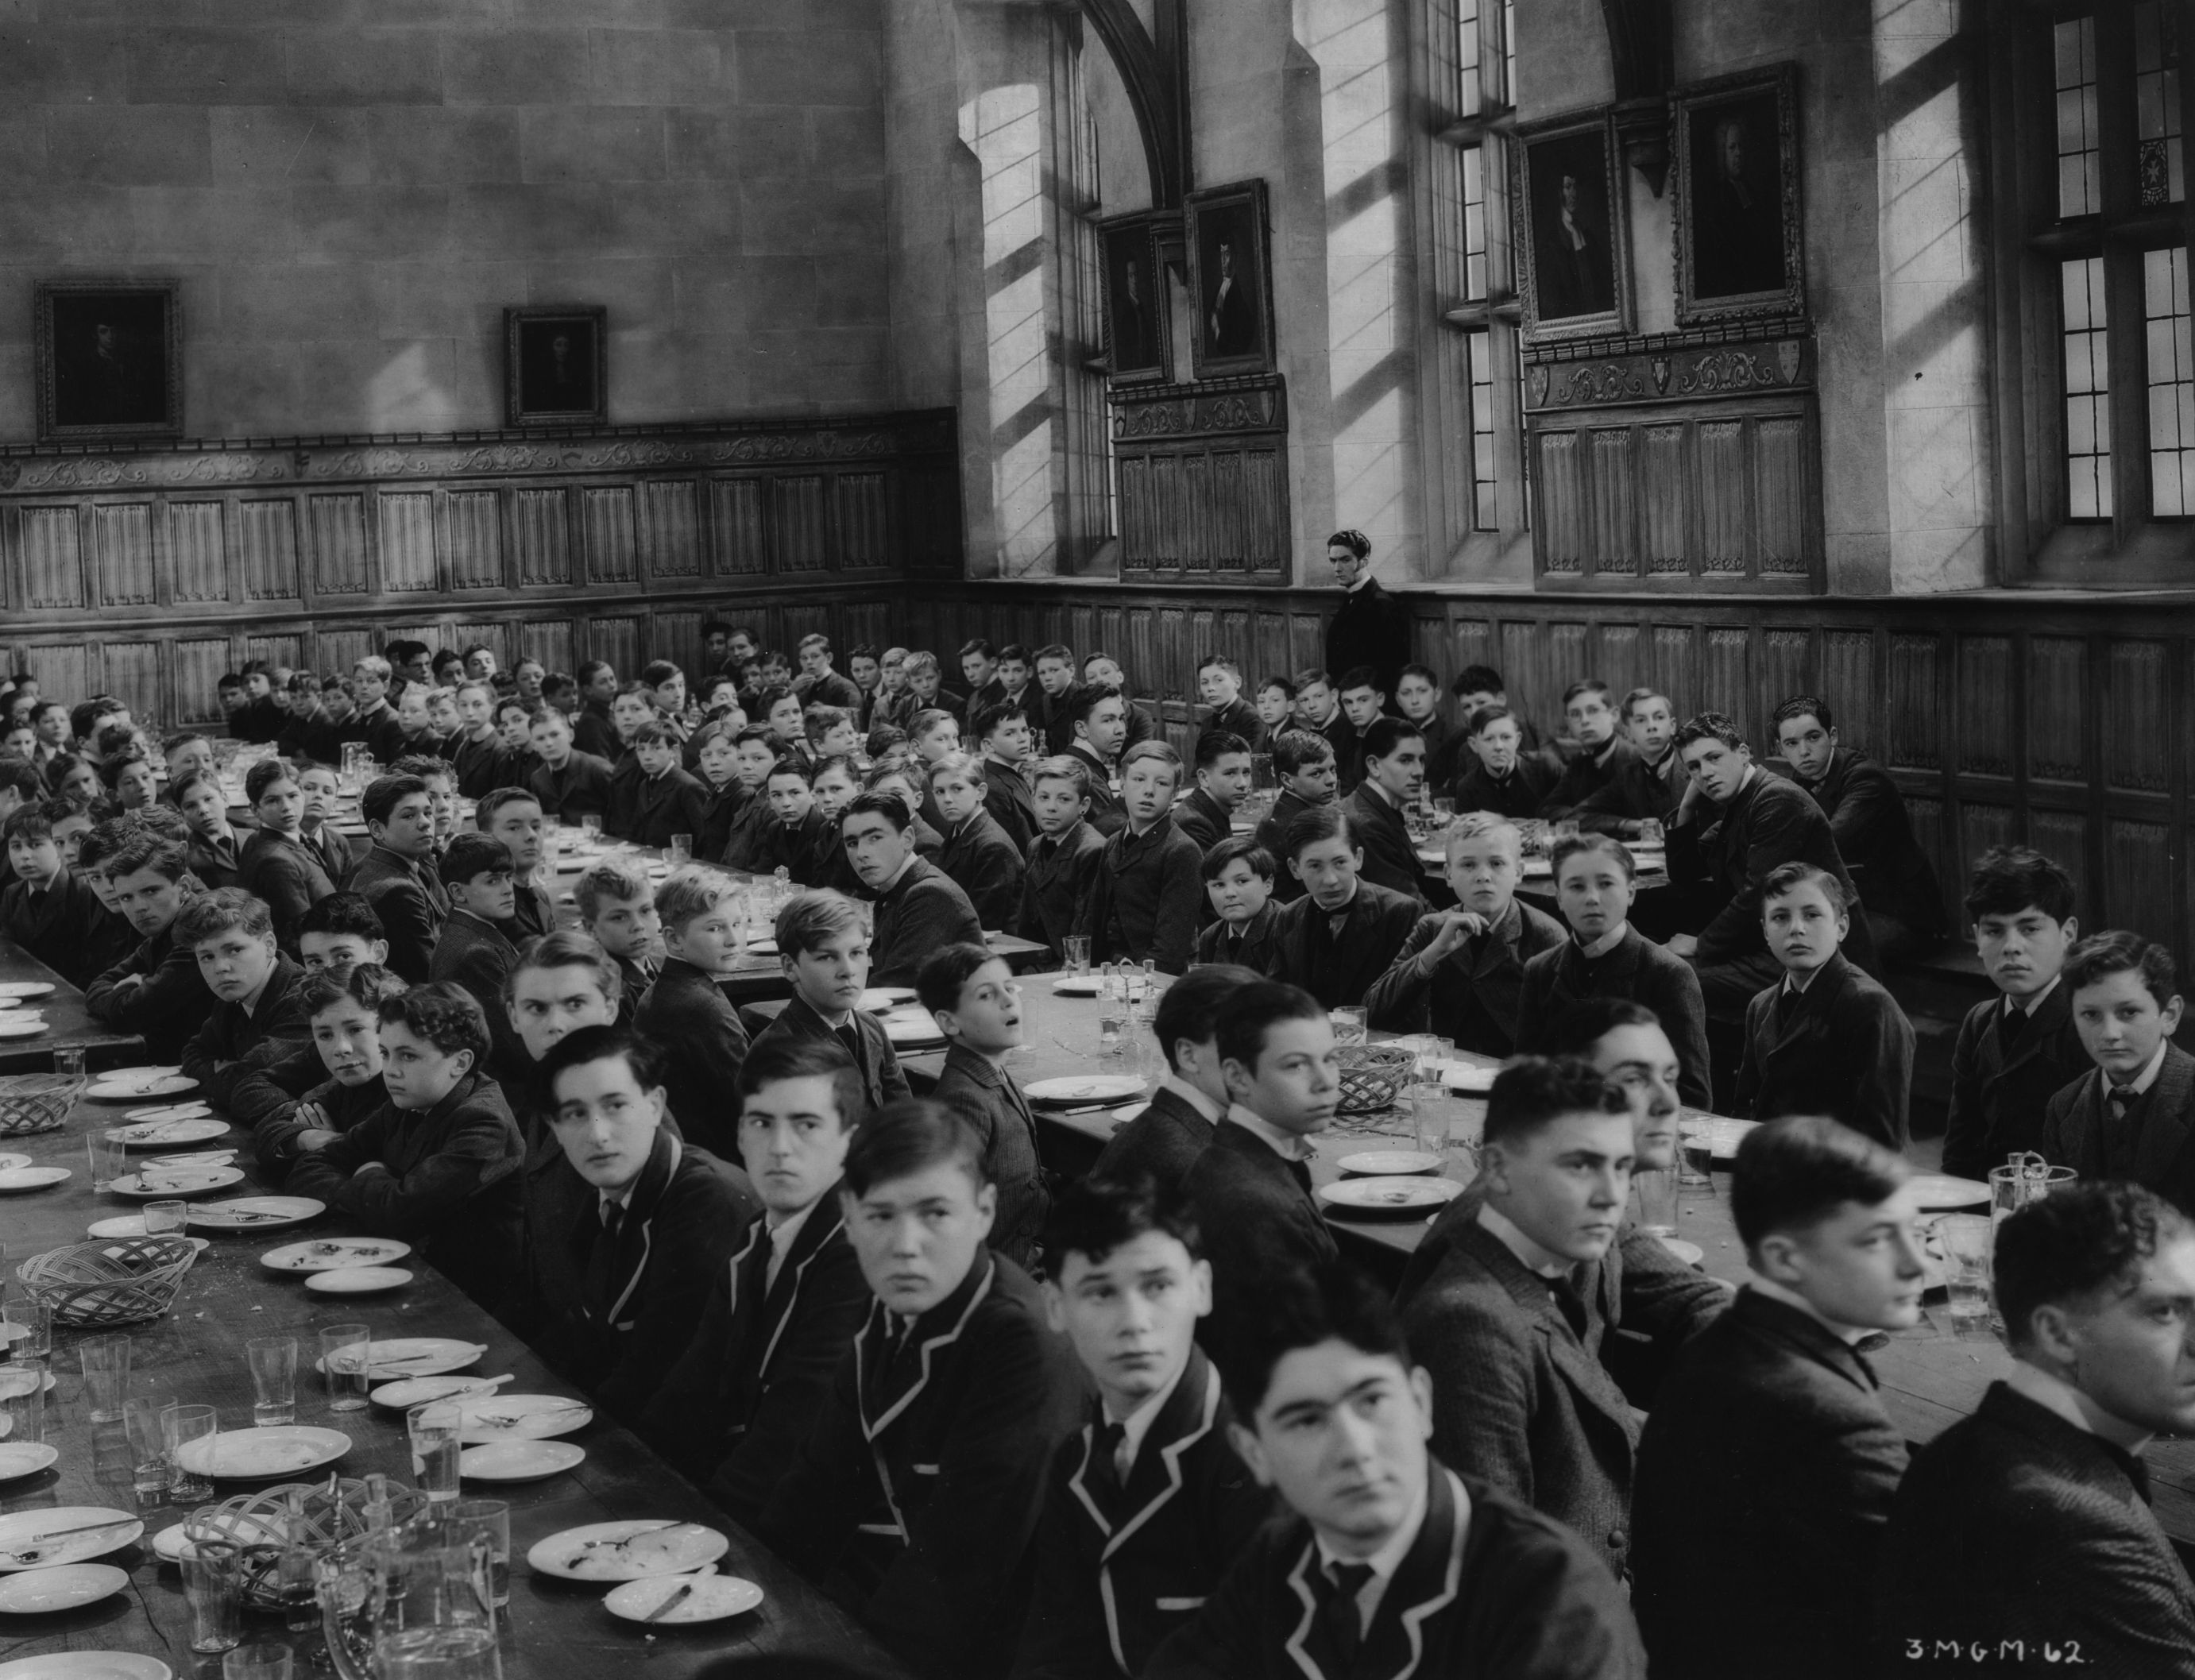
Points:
[(1086, 839)]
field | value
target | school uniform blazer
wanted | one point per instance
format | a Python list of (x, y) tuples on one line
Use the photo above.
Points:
[(1518, 794), (481, 767), (67, 928), (1252, 948), (166, 1009), (1771, 822), (615, 1317), (594, 732), (1874, 836), (1489, 1588), (1769, 1464), (1998, 1099), (1145, 898), (265, 1099), (925, 911), (1202, 819), (288, 876), (1273, 835), (1558, 980), (532, 911), (378, 728), (1846, 1051), (1107, 815), (1256, 1212), (989, 1100), (794, 849), (732, 1411), (1056, 881), (936, 1452), (230, 1043), (1238, 718), (1119, 1568), (653, 809), (448, 1182), (218, 863), (580, 788), (479, 955), (832, 688), (1444, 740), (1164, 1141), (704, 1048), (1012, 806), (312, 738), (1390, 858), (983, 861), (881, 1077), (2015, 1527), (2161, 1124), (1338, 970), (1474, 996), (747, 840), (413, 905), (1604, 794)]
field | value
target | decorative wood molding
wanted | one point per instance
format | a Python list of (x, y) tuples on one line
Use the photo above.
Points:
[(1202, 471)]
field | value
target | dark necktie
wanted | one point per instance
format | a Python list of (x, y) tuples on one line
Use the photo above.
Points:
[(2118, 1129), (1105, 1457), (602, 1262), (1787, 1005), (1344, 1622), (1571, 1305), (1300, 1171), (850, 1036), (2012, 1030)]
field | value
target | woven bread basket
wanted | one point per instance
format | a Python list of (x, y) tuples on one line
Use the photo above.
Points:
[(1373, 1076), (257, 1525), (33, 1102), (103, 1285)]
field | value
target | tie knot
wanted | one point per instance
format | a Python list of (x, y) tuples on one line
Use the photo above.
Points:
[(1348, 1579), (612, 1217)]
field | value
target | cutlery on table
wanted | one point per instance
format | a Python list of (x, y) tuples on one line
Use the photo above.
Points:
[(685, 1591), (31, 1551)]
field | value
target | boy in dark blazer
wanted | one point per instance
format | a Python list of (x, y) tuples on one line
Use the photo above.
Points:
[(1767, 1461), (1003, 733), (662, 799), (47, 910), (1607, 788), (1460, 972), (1163, 1141), (916, 1489), (2133, 1116), (1101, 734), (977, 1005), (1499, 774), (1238, 885), (1149, 1503), (979, 856), (1224, 773), (1309, 776), (1603, 956), (397, 877), (783, 1308), (1062, 869), (157, 990), (686, 1011), (1486, 1585), (2018, 1049), (476, 950), (276, 864), (1826, 1038), (919, 909), (616, 910), (2027, 1526), (1394, 765), (823, 949), (1337, 940), (1219, 686), (258, 1017), (1148, 890)]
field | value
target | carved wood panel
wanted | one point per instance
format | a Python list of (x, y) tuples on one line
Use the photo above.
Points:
[(543, 519), (2057, 672), (1987, 704), (472, 541), (195, 540), (2137, 690), (266, 540), (1202, 479), (674, 527), (121, 538)]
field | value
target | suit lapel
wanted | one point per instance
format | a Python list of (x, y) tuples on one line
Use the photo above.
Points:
[(785, 1295), (2164, 1127), (1191, 1412), (1427, 1582), (1531, 1293), (897, 1388)]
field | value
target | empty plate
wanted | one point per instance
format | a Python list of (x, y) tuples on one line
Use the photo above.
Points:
[(21, 1026), (633, 1550), (1389, 1162), (26, 1458), (523, 1416), (256, 1213), (1085, 1088), (35, 1539), (87, 1665), (30, 1178), (259, 1454), (357, 1279), (333, 1254), (1389, 1195), (713, 1598), (19, 989), (170, 1544), (158, 1184), (519, 1460), (1078, 985), (37, 1592)]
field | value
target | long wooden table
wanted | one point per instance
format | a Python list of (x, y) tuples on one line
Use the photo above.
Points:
[(69, 1024), (196, 1353)]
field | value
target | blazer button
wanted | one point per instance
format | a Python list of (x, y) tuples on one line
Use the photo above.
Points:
[(1617, 1539)]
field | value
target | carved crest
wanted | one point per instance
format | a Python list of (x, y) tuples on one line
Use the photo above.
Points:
[(1536, 379), (1661, 373), (1787, 360)]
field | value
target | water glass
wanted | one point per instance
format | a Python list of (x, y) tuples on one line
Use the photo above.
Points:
[(1348, 1026), (22, 1401), (2029, 1179), (1651, 835), (1656, 1190), (108, 1160), (150, 1470), (166, 1219), (680, 852), (68, 1061), (30, 1323), (273, 1362), (105, 1375), (435, 1428), (1964, 1241), (180, 1426), (212, 1583), (590, 828), (1444, 811), (346, 1349), (487, 1520), (1078, 953), (256, 1662)]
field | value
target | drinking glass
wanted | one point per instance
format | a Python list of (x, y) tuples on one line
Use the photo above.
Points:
[(165, 1219), (590, 828), (1348, 1026), (434, 1429), (1078, 953), (680, 852), (1657, 1189), (1444, 811), (150, 1469), (1650, 833), (487, 1520), (256, 1662), (108, 1158), (346, 1349), (105, 1375), (211, 1583), (31, 1325), (68, 1061), (273, 1362), (2027, 1179), (1567, 829), (22, 1401), (180, 1426), (1964, 1240)]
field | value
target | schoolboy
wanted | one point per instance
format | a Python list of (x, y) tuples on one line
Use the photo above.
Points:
[(340, 929), (1603, 956), (1102, 671), (257, 1017), (414, 719), (1650, 724), (438, 1165), (955, 1368), (2133, 1116), (1607, 788), (317, 830), (1342, 934), (632, 710), (686, 1011), (476, 950), (185, 755), (477, 751), (1050, 707), (441, 792), (823, 948), (1320, 708), (1417, 702), (977, 1003), (619, 1288), (1391, 755), (904, 775), (1826, 1038), (796, 830), (755, 751), (213, 845), (918, 907), (275, 866), (1063, 857), (1460, 973), (156, 991), (1003, 732), (2019, 1049), (978, 855), (1276, 706), (1767, 1460), (865, 665), (1223, 774), (56, 917), (1147, 895), (1219, 686), (725, 795), (1149, 1503), (570, 784), (1100, 714), (617, 910), (1499, 774), (342, 1007), (1309, 778), (663, 800), (1163, 1141), (979, 672), (394, 877), (126, 773), (1238, 886), (1014, 674)]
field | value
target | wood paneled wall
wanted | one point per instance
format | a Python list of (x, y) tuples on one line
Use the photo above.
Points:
[(1203, 477), (149, 574), (2061, 720)]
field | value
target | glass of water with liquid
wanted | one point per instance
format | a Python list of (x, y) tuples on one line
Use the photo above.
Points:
[(435, 1430)]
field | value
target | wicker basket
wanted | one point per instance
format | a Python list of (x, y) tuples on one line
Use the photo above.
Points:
[(33, 1102), (1373, 1076), (256, 1524), (103, 1285)]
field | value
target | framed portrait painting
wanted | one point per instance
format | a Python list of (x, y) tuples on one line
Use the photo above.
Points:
[(1136, 302), (1573, 247), (556, 365), (1230, 280), (110, 359), (1739, 237)]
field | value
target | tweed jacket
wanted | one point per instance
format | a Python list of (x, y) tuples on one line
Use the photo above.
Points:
[(1107, 815), (2159, 1146), (1238, 718), (1473, 997), (1202, 819), (580, 788), (1164, 1141), (1558, 980), (1998, 1099), (647, 810), (1144, 897), (1845, 1048)]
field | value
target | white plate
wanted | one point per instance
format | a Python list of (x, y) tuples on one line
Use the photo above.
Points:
[(1468, 1077), (415, 1356), (1389, 1162), (9, 1163), (1689, 1252), (195, 1157), (26, 1458), (37, 1592), (256, 1213), (634, 1549), (21, 1026), (1719, 1137), (330, 1254), (521, 1417), (713, 1598), (879, 999), (357, 1279), (30, 1178), (133, 1225), (163, 1184), (167, 1134), (197, 1108), (111, 1089), (87, 1665), (519, 1460), (1937, 1191), (19, 1529), (1128, 1110), (25, 988), (170, 1544), (1390, 1195), (418, 1390), (762, 948), (912, 1031), (1085, 1088), (261, 1455), (1078, 985)]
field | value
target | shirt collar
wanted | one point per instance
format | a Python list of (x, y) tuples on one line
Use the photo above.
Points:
[(2051, 1394), (1800, 983), (1852, 1336), (1543, 1262), (1138, 1424), (786, 1231), (1606, 943), (2147, 1076), (1362, 579), (1286, 1144), (1388, 1558), (1190, 1094), (1391, 803), (2035, 1003), (897, 880)]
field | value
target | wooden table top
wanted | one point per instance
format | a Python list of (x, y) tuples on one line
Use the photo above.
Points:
[(554, 1628), (68, 1022)]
